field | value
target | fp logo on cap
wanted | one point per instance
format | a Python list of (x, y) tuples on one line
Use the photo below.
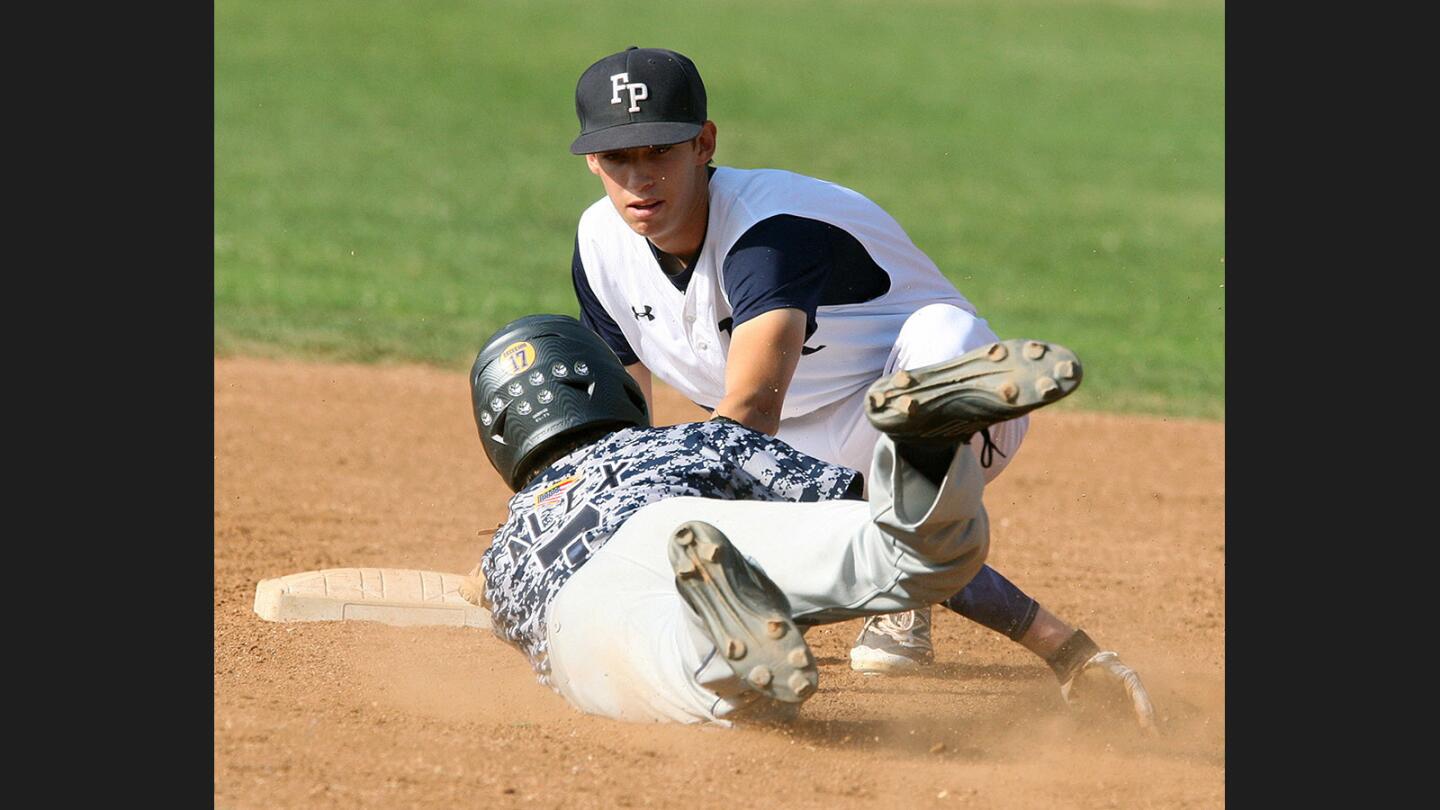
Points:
[(638, 90)]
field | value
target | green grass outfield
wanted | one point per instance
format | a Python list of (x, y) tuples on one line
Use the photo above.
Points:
[(393, 179)]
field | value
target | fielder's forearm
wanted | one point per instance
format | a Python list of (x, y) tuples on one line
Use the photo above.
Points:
[(762, 358)]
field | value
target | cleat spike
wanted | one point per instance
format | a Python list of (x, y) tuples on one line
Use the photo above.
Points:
[(997, 352), (798, 657), (760, 676), (708, 552), (685, 536), (734, 648), (877, 400), (775, 628), (801, 684), (902, 379), (906, 405), (686, 568), (1009, 390), (1065, 369), (1046, 387), (1034, 350)]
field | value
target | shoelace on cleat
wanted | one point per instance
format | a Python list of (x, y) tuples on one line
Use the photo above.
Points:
[(988, 449)]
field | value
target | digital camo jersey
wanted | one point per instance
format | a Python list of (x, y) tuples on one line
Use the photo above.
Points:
[(568, 512)]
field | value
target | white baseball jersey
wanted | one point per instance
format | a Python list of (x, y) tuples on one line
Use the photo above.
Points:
[(682, 337)]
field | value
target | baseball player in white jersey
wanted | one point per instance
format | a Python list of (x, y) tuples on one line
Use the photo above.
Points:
[(767, 297), (657, 574)]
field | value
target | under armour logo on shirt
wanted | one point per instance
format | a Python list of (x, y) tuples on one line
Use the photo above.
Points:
[(639, 91), (647, 314)]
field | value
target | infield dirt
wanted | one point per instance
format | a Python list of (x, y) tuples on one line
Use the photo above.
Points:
[(1116, 523)]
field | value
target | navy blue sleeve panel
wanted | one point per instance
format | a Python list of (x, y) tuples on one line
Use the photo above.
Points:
[(993, 601), (780, 262), (594, 316), (787, 261)]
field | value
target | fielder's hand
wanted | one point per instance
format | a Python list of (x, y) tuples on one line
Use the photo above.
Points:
[(1103, 683)]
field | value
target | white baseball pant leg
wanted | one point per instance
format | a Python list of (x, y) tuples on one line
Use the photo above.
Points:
[(623, 644), (840, 434)]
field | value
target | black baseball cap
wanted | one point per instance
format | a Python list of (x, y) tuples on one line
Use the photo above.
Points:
[(638, 97)]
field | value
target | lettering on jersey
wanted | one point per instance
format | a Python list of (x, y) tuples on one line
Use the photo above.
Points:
[(517, 357), (612, 473), (647, 314), (583, 521), (519, 545), (639, 91), (727, 325), (517, 548)]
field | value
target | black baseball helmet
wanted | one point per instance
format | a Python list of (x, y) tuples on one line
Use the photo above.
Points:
[(542, 379)]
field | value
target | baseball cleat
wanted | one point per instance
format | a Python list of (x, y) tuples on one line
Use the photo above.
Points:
[(892, 644), (957, 398), (744, 613)]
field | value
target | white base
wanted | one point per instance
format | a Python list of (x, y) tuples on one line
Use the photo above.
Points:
[(389, 595)]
